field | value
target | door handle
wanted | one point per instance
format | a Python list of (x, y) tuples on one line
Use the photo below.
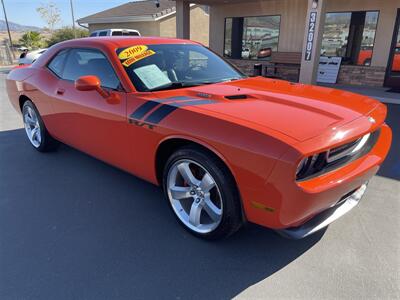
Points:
[(60, 91)]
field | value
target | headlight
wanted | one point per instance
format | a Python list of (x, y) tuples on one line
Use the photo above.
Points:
[(310, 165), (319, 163)]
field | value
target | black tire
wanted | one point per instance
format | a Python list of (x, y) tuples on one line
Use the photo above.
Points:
[(231, 214), (48, 143)]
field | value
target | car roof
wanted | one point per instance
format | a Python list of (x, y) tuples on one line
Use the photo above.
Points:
[(123, 41)]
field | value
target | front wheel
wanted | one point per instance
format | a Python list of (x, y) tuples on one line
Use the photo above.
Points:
[(35, 130), (202, 193)]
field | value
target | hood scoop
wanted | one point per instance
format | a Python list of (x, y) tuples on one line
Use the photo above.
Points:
[(236, 97)]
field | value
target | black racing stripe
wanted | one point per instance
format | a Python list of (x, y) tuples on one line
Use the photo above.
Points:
[(160, 113), (144, 109)]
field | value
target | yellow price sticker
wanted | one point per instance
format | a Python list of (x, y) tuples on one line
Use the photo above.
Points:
[(132, 51), (131, 60)]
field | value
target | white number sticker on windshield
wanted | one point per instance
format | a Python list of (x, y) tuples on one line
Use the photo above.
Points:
[(152, 77)]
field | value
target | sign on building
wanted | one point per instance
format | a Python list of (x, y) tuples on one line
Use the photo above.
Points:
[(328, 69), (311, 35)]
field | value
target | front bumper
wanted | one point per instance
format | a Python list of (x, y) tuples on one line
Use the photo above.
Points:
[(326, 217)]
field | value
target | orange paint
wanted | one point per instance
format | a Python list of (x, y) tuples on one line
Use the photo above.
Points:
[(261, 139)]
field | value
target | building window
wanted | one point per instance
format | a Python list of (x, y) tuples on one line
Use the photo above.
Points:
[(251, 37), (350, 35)]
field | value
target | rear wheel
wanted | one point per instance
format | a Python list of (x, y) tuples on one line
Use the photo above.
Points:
[(202, 193), (35, 130)]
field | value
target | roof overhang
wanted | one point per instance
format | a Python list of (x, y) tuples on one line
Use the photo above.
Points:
[(129, 19)]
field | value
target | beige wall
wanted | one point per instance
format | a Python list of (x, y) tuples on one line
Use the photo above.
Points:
[(145, 28), (199, 26), (293, 16)]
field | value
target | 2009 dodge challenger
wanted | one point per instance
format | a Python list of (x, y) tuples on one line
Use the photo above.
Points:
[(226, 148)]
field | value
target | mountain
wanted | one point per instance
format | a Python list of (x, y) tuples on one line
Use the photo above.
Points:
[(17, 27)]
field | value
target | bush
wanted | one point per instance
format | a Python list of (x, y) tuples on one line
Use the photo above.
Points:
[(64, 34), (31, 40)]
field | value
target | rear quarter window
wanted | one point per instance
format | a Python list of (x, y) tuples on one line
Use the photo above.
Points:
[(56, 65)]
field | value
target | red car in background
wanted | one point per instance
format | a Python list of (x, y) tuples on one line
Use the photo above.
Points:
[(225, 148), (365, 57)]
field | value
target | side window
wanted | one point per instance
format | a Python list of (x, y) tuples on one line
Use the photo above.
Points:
[(130, 33), (83, 62), (93, 34), (103, 33), (116, 33), (57, 63)]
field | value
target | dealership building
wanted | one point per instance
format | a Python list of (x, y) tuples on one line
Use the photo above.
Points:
[(289, 36), (355, 41)]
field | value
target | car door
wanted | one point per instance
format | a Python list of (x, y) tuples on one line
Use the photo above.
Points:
[(85, 119)]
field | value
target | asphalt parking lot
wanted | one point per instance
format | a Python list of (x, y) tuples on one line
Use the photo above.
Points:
[(72, 227)]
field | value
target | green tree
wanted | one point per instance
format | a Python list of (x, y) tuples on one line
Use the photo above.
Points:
[(50, 14), (64, 34), (31, 39)]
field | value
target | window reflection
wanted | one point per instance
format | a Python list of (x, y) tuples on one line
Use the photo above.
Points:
[(350, 35), (251, 37), (396, 57)]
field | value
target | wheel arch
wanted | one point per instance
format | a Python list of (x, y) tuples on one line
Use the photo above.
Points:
[(170, 144), (22, 99)]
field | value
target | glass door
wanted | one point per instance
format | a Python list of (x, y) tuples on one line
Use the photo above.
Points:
[(393, 70)]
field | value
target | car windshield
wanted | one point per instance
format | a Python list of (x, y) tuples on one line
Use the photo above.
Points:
[(173, 66)]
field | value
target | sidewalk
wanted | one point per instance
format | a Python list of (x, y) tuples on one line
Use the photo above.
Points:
[(379, 93)]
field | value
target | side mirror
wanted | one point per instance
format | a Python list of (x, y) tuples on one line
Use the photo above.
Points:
[(90, 83)]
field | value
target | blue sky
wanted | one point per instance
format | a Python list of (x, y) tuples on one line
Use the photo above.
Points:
[(24, 11)]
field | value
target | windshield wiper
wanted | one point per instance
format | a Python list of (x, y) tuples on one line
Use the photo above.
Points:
[(177, 85), (184, 84)]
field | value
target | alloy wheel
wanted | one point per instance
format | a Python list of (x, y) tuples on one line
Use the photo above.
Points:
[(194, 196)]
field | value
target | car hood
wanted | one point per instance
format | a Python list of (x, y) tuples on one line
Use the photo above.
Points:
[(295, 110)]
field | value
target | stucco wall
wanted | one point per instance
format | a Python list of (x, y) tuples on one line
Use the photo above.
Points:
[(293, 16), (199, 26), (145, 28)]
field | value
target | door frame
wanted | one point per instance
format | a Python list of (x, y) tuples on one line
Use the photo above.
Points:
[(388, 73)]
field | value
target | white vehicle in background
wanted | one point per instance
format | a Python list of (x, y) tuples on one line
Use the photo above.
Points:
[(30, 57), (115, 32)]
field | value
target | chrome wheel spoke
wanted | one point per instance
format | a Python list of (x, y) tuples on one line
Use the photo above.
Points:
[(212, 210), (180, 192), (187, 174), (34, 134), (195, 213), (207, 183), (30, 121)]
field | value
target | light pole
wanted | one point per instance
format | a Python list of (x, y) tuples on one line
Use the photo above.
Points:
[(8, 28), (73, 18)]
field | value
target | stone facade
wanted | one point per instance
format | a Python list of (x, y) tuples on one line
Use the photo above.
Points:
[(360, 75), (352, 75)]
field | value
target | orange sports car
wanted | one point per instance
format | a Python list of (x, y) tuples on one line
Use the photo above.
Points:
[(226, 148)]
